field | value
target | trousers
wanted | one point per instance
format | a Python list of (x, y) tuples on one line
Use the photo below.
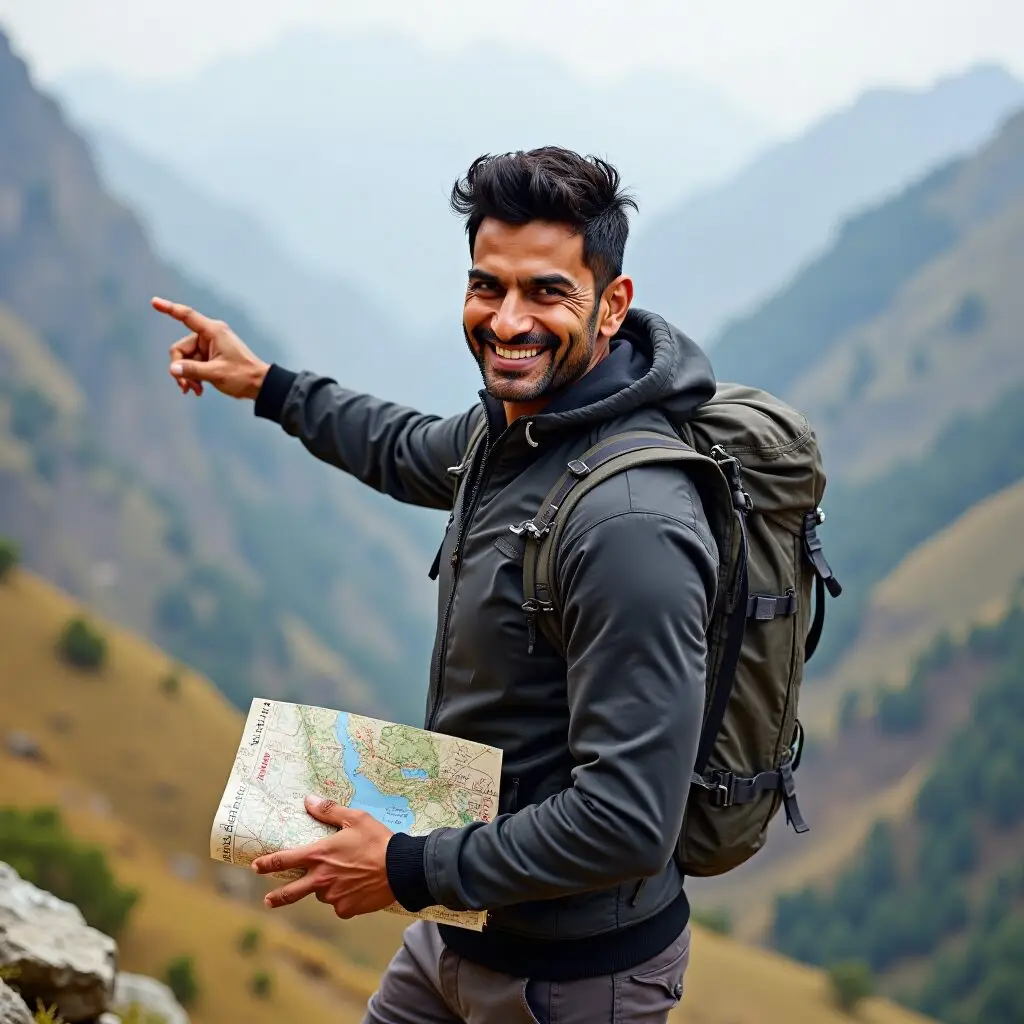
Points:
[(426, 983)]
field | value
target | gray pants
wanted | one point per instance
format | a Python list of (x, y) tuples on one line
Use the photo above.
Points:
[(426, 983)]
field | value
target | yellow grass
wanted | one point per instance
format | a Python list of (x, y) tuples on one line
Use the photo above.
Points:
[(110, 741), (732, 984)]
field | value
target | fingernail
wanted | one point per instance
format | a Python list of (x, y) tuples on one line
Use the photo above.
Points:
[(176, 369)]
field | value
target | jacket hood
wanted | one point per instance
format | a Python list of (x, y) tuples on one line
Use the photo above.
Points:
[(650, 363)]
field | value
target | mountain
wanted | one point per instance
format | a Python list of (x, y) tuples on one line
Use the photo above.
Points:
[(901, 343), (347, 146), (326, 322), (188, 520), (933, 899), (729, 247), (135, 770)]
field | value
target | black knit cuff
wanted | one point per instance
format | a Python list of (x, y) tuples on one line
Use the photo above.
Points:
[(406, 874), (276, 385)]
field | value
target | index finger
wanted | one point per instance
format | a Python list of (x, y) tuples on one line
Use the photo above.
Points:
[(183, 314), (283, 860)]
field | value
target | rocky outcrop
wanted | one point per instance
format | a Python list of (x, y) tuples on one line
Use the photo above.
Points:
[(151, 996), (57, 957), (12, 1007), (51, 956)]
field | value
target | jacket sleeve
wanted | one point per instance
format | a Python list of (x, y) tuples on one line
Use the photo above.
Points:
[(398, 451), (636, 588)]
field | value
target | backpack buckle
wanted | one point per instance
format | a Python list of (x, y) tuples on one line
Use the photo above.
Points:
[(530, 528), (722, 788), (733, 471)]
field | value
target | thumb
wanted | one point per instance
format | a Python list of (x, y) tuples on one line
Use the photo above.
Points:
[(191, 369), (330, 811)]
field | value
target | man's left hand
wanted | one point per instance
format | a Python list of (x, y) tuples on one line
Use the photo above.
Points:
[(347, 870)]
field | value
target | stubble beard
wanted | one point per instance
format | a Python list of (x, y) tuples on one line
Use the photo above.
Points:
[(566, 364)]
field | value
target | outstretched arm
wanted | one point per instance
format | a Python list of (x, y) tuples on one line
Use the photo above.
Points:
[(396, 450)]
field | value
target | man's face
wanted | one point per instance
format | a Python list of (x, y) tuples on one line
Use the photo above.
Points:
[(531, 317)]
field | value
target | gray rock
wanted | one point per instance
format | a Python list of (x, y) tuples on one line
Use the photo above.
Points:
[(150, 995), (60, 960), (12, 1007), (23, 745)]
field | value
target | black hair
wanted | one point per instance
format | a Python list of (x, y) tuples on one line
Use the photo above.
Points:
[(556, 185)]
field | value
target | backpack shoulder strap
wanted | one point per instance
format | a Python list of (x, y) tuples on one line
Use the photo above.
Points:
[(612, 455)]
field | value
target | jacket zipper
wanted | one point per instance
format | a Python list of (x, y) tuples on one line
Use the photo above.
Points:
[(467, 514)]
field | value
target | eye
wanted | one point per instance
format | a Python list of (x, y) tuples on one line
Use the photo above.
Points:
[(550, 291), (481, 287)]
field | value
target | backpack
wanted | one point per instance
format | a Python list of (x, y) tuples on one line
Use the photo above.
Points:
[(758, 470)]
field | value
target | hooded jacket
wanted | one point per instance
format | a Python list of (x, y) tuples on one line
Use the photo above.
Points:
[(576, 871)]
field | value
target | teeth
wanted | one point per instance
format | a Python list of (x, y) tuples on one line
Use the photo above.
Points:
[(516, 353)]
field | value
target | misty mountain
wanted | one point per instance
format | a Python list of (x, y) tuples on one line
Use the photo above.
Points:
[(347, 147), (730, 246), (329, 324), (185, 519)]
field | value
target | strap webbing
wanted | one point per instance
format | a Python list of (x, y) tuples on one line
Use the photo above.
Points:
[(606, 458), (823, 578)]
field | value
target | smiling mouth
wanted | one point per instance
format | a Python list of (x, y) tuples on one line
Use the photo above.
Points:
[(517, 353)]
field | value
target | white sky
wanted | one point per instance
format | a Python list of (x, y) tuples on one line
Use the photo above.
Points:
[(788, 60)]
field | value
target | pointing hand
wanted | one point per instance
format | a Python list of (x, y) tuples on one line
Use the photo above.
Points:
[(211, 354)]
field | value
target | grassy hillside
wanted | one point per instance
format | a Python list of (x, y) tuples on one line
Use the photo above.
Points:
[(139, 770), (964, 573), (907, 320), (874, 525), (934, 899), (213, 531)]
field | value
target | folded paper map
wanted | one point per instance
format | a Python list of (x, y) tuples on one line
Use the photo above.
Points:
[(410, 779)]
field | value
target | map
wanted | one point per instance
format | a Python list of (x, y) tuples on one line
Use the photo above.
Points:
[(410, 779)]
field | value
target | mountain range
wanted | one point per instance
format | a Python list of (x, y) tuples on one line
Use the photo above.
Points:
[(898, 334), (729, 247), (187, 519), (347, 146)]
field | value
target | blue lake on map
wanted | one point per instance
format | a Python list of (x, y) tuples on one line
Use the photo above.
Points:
[(393, 811), (414, 773)]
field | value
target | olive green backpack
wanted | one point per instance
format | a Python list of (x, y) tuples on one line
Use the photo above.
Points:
[(757, 466)]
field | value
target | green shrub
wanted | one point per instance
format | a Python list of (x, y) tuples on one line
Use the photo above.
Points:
[(82, 646), (849, 710), (249, 941), (850, 982), (715, 919), (170, 685), (180, 977), (261, 984), (36, 844), (8, 558), (901, 710)]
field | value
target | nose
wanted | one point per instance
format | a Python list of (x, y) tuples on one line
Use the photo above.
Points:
[(511, 318)]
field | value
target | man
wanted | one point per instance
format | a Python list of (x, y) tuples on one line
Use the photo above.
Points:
[(587, 918)]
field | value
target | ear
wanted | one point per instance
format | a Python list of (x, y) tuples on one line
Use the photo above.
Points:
[(614, 305)]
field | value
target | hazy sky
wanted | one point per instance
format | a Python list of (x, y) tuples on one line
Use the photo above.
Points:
[(788, 60)]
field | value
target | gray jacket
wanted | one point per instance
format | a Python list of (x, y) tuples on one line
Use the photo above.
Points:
[(598, 747)]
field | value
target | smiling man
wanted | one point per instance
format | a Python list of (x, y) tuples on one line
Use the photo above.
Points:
[(588, 921)]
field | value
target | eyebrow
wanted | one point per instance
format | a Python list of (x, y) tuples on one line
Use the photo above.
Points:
[(538, 281)]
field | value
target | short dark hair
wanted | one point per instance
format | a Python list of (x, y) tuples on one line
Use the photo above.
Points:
[(556, 185)]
